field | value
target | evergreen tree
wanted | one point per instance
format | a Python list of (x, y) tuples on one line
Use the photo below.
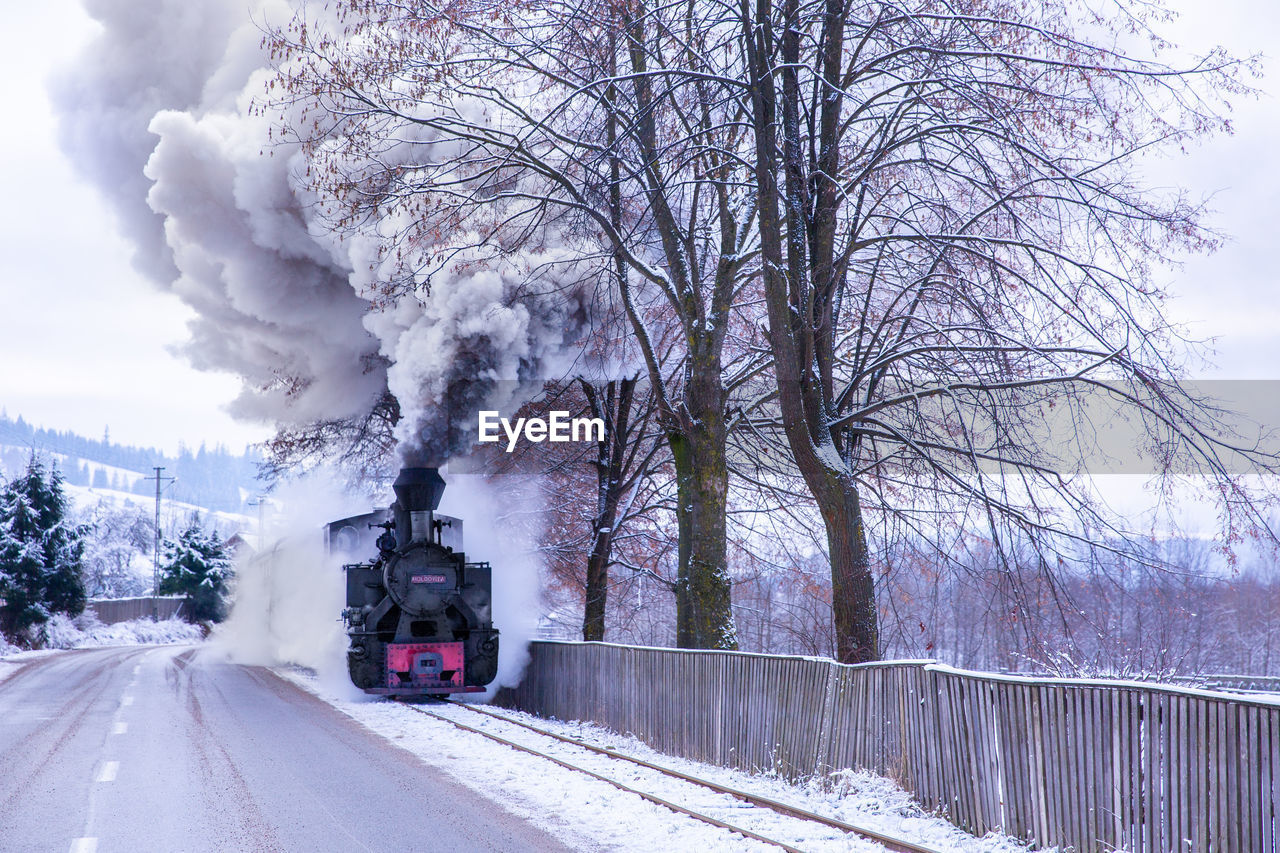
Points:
[(197, 565), (40, 552), (21, 569)]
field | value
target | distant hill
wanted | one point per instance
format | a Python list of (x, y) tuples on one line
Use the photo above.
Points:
[(212, 478)]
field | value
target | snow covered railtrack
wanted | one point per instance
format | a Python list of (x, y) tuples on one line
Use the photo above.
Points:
[(755, 800)]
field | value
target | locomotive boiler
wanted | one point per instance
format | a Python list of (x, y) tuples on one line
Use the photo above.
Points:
[(419, 615)]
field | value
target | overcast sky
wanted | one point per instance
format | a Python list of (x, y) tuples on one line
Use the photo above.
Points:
[(83, 338)]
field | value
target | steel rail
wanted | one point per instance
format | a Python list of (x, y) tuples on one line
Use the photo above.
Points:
[(615, 783), (895, 844)]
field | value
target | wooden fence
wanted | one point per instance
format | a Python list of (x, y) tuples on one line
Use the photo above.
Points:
[(1085, 764), (112, 610)]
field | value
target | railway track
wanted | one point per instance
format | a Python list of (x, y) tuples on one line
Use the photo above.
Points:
[(755, 801)]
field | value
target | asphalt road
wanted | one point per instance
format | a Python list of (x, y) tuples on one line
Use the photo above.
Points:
[(159, 749)]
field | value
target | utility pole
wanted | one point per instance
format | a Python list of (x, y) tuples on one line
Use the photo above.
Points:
[(268, 565), (155, 566), (258, 501)]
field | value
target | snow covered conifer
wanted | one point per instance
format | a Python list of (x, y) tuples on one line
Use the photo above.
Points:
[(40, 552), (197, 565), (21, 569)]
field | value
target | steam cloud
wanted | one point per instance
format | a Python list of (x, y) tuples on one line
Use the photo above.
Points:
[(156, 112), (507, 539), (289, 593)]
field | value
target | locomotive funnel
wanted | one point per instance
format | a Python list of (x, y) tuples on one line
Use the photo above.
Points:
[(419, 489)]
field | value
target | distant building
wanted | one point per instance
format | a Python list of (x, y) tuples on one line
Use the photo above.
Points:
[(238, 547)]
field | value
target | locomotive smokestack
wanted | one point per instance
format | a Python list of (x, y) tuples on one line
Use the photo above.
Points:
[(418, 491)]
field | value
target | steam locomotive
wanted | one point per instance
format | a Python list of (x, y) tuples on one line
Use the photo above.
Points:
[(418, 616)]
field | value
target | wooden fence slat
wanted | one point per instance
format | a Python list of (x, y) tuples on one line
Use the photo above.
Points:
[(1266, 735), (1182, 802), (1204, 775)]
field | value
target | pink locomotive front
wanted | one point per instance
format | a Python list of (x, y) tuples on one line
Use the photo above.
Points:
[(425, 665)]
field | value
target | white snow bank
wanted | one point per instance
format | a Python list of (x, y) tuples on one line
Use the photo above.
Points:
[(13, 658), (7, 652), (86, 631)]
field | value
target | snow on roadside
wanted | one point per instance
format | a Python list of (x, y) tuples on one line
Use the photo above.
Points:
[(855, 797), (13, 658), (7, 652), (86, 631), (590, 814)]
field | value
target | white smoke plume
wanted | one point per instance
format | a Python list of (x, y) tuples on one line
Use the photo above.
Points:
[(504, 530), (289, 594), (472, 346), (156, 113), (159, 112), (152, 55)]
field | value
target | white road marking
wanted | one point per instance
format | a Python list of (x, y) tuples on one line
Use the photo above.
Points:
[(84, 845), (120, 728), (126, 701), (108, 772), (136, 667)]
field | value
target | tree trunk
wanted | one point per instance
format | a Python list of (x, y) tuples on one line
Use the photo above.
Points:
[(597, 588), (704, 619), (853, 600), (610, 457), (800, 283)]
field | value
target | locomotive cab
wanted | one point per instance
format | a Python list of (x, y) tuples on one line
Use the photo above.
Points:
[(419, 616)]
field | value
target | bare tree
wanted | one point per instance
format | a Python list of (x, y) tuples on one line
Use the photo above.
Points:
[(954, 244), (500, 124), (933, 204), (622, 458), (596, 491), (361, 446)]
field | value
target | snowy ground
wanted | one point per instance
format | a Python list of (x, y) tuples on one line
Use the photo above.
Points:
[(13, 658), (592, 815), (85, 631)]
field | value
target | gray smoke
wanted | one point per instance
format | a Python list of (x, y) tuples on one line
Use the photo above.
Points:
[(156, 111), (473, 345), (153, 55)]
